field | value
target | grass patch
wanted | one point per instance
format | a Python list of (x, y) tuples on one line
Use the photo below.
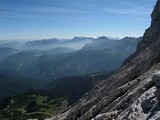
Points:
[(40, 100), (32, 106)]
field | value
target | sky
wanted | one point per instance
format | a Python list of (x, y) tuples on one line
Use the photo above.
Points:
[(39, 19)]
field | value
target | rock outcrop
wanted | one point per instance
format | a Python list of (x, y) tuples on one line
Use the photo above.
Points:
[(133, 93)]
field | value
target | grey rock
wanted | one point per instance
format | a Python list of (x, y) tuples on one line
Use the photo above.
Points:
[(147, 105), (135, 111), (156, 79)]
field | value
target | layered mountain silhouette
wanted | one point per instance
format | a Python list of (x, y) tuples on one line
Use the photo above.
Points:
[(124, 44), (75, 43), (63, 61)]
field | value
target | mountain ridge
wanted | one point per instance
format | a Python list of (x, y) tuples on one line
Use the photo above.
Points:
[(62, 62)]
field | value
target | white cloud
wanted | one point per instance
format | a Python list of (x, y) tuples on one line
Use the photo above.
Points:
[(39, 12), (44, 9), (134, 11)]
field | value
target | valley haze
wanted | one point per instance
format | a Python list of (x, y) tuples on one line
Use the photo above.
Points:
[(100, 74)]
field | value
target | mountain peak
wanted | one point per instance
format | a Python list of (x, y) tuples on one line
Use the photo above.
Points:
[(81, 38), (103, 37), (156, 13), (153, 32)]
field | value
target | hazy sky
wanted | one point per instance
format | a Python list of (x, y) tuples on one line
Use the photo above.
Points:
[(36, 19)]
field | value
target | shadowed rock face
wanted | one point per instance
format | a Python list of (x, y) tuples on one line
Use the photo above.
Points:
[(133, 92), (153, 33)]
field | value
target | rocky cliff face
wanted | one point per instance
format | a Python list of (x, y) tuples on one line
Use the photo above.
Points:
[(133, 93)]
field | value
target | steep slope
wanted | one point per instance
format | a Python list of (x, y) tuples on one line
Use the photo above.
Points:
[(129, 94)]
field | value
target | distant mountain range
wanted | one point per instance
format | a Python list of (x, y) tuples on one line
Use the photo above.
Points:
[(123, 44), (101, 54), (75, 43)]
